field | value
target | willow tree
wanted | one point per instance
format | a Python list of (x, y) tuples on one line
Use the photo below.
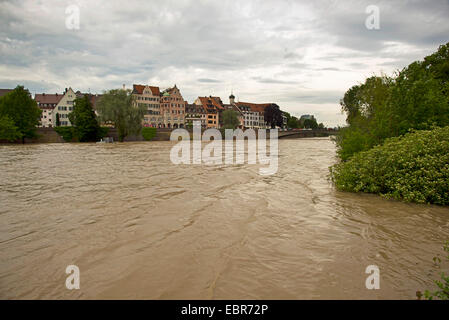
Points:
[(117, 107)]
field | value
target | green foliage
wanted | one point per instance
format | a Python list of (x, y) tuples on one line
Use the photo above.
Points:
[(22, 110), (230, 119), (273, 116), (442, 284), (413, 167), (67, 133), (293, 122), (103, 132), (8, 130), (58, 121), (148, 133), (84, 121), (383, 107), (310, 123), (118, 108)]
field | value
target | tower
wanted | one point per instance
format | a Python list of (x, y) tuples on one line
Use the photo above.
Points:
[(231, 98)]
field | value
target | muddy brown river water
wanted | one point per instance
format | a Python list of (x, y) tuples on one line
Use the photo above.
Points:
[(138, 226)]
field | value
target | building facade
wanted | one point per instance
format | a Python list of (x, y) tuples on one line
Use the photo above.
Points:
[(209, 105), (195, 112), (172, 108), (149, 97), (47, 103), (63, 108)]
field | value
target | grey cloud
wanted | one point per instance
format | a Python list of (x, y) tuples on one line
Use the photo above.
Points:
[(215, 45), (205, 80)]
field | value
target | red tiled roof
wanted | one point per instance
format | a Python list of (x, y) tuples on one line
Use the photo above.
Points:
[(216, 101), (138, 88), (45, 98), (255, 107), (212, 104)]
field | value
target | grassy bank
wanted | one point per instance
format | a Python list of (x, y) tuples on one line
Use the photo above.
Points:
[(413, 167)]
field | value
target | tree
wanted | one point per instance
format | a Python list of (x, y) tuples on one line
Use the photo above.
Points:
[(117, 107), (22, 110), (8, 131), (383, 107), (58, 121), (84, 121), (293, 122), (273, 116), (230, 119), (310, 123)]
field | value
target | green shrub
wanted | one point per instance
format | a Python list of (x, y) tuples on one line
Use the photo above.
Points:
[(103, 132), (148, 133), (67, 133), (442, 292), (413, 167)]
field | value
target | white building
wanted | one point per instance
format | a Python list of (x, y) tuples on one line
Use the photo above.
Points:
[(47, 103), (63, 108)]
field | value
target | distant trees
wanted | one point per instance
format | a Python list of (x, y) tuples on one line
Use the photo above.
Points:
[(273, 116), (117, 107), (293, 122), (84, 122), (19, 115), (230, 119), (310, 123), (382, 107)]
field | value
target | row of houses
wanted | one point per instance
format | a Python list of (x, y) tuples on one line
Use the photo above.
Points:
[(164, 109)]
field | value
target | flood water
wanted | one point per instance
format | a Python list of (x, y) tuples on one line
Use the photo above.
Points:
[(138, 226)]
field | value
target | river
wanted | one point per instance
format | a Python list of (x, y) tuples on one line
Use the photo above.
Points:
[(138, 226)]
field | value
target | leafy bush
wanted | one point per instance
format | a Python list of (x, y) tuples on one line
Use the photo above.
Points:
[(443, 284), (148, 133), (413, 167), (103, 132), (67, 133)]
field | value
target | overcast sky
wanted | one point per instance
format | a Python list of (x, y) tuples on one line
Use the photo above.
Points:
[(302, 55)]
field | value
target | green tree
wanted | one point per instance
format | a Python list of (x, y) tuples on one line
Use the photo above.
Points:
[(8, 130), (58, 121), (310, 123), (293, 122), (118, 108), (19, 107), (273, 116), (383, 107), (230, 119), (84, 121)]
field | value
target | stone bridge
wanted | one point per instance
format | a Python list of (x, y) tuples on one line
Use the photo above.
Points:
[(294, 134)]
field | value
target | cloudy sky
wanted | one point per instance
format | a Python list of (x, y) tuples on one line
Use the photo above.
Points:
[(302, 55)]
